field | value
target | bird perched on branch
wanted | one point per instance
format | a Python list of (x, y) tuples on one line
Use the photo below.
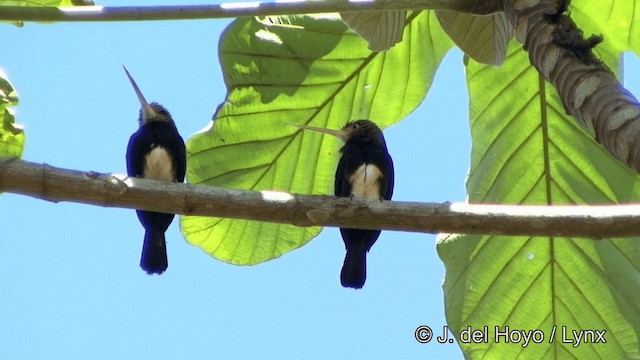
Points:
[(157, 152), (365, 170)]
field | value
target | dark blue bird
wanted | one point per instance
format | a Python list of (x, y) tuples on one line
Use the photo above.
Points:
[(156, 151), (365, 170)]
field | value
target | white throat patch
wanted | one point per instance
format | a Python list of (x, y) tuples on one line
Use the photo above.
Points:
[(365, 182), (158, 165)]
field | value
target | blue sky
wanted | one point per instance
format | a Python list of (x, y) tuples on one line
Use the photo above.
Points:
[(70, 285)]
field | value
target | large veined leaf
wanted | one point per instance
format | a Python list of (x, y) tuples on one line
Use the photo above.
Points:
[(381, 29), (11, 135), (616, 19), (526, 150), (482, 38), (297, 70)]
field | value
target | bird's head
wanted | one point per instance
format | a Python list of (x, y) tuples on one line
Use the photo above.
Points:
[(358, 131), (149, 111)]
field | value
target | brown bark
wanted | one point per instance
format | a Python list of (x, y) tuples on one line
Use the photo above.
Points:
[(588, 89), (54, 184)]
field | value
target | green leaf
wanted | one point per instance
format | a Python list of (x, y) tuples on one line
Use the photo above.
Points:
[(482, 38), (381, 29), (11, 134), (35, 3), (526, 150), (613, 18), (297, 70)]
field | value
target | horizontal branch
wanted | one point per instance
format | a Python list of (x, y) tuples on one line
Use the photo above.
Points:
[(46, 182), (232, 10)]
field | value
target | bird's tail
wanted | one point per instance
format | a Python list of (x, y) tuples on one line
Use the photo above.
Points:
[(354, 269), (154, 252)]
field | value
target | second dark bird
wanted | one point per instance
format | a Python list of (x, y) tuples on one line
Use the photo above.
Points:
[(156, 151), (365, 170)]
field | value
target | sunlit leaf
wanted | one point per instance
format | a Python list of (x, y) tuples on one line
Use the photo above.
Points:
[(526, 150), (616, 19), (482, 38), (11, 134), (36, 3), (40, 3), (297, 70), (381, 29)]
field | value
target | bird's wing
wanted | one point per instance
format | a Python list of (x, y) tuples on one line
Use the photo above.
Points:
[(179, 155), (181, 160), (168, 137), (390, 177), (139, 144), (342, 185)]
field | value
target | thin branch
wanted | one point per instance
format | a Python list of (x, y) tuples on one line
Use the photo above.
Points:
[(231, 10), (46, 182)]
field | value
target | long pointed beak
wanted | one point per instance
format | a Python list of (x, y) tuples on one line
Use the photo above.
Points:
[(143, 101), (340, 134)]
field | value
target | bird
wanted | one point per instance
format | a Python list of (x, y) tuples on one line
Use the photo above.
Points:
[(365, 170), (155, 151)]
